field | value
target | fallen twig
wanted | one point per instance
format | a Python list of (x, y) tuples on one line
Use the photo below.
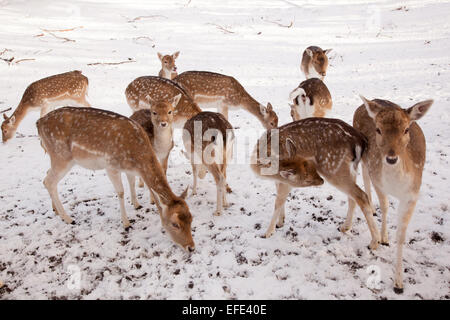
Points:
[(21, 60), (220, 28), (111, 63), (6, 110), (5, 50), (279, 24), (61, 30), (146, 17), (61, 38)]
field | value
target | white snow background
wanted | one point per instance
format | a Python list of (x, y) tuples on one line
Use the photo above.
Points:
[(395, 50)]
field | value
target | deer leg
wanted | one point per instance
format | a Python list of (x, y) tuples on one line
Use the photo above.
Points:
[(220, 185), (348, 221), (116, 180), (367, 189), (384, 206), (405, 211), (282, 193), (131, 182), (54, 175), (225, 191), (141, 183), (223, 109), (194, 173)]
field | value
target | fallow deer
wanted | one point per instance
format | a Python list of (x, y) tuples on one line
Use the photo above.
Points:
[(209, 138), (310, 99), (225, 92), (168, 67), (315, 62), (44, 95), (157, 123), (143, 90), (97, 139), (333, 147), (393, 162)]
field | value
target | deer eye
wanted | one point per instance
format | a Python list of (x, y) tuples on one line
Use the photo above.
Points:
[(170, 112), (406, 130), (154, 113), (378, 131), (176, 225)]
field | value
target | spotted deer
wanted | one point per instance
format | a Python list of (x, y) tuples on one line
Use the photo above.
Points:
[(70, 88), (143, 90), (157, 123), (315, 62), (393, 163), (225, 92), (168, 67), (208, 138), (97, 139), (333, 147), (310, 99)]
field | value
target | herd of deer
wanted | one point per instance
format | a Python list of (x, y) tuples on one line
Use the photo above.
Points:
[(384, 137)]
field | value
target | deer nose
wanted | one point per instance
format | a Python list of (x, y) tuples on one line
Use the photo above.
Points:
[(323, 74), (191, 248), (163, 124), (391, 160), (175, 68)]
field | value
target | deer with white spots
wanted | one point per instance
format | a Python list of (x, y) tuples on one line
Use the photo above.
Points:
[(333, 147), (310, 99), (70, 88), (393, 162), (315, 62), (157, 123), (142, 91), (168, 67), (97, 139), (225, 92), (208, 138)]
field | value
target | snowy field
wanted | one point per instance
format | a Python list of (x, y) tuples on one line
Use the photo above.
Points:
[(396, 50)]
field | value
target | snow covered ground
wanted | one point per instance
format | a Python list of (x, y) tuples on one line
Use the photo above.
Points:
[(396, 50)]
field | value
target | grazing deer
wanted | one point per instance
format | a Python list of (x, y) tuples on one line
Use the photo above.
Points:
[(168, 67), (98, 139), (393, 163), (46, 94), (315, 62), (208, 138), (310, 99), (157, 123), (226, 92), (334, 148), (143, 90)]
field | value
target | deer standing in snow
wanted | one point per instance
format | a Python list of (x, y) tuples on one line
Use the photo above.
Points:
[(310, 99), (225, 92), (208, 138), (142, 91), (393, 162), (315, 62), (157, 123), (333, 147), (97, 139), (168, 67), (44, 95)]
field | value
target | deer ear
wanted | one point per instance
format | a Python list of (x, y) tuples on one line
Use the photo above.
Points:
[(12, 119), (162, 208), (185, 193), (418, 110), (5, 117), (175, 55), (160, 56), (371, 107), (327, 51), (175, 100), (290, 147), (262, 109), (309, 52), (287, 174), (269, 107)]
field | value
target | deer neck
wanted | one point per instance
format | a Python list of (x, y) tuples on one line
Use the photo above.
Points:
[(20, 113), (163, 137), (154, 177), (252, 106)]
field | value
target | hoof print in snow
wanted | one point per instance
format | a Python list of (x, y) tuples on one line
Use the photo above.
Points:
[(436, 237)]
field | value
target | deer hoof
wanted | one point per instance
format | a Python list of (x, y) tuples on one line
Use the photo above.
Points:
[(344, 228), (398, 290), (229, 189), (373, 245)]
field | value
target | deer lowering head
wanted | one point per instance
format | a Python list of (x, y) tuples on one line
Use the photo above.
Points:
[(315, 62)]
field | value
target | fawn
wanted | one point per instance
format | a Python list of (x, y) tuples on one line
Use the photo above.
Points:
[(225, 91), (46, 94), (168, 67), (143, 90), (333, 147), (310, 99), (97, 139), (157, 123), (315, 62), (209, 138), (393, 163)]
